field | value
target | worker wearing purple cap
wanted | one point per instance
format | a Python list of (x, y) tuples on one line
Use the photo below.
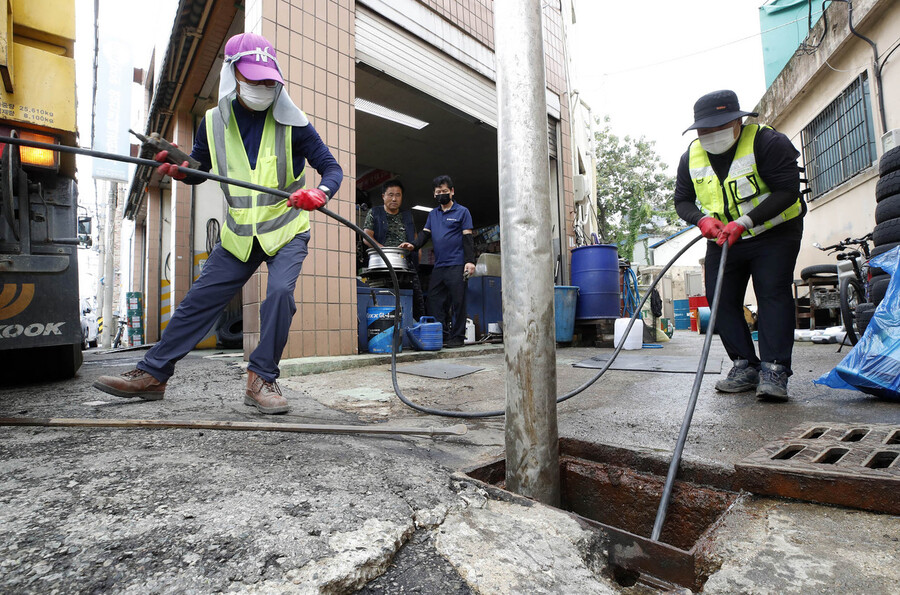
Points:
[(255, 134), (740, 183)]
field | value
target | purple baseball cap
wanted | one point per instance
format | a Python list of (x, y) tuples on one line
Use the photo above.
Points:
[(254, 57)]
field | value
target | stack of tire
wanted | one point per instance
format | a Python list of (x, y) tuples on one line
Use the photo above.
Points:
[(886, 235)]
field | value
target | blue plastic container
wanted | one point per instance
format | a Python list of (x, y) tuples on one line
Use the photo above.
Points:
[(682, 314), (564, 299), (595, 271), (428, 335), (380, 329)]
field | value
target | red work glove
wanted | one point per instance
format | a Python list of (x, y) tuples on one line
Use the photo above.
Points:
[(308, 199), (169, 169), (710, 227), (732, 233)]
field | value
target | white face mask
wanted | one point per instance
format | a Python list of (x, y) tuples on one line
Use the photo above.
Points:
[(719, 141), (257, 97)]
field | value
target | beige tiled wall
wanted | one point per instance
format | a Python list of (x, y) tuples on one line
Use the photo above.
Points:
[(314, 41), (475, 17)]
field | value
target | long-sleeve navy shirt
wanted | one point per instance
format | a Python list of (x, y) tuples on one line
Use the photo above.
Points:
[(307, 146), (776, 160)]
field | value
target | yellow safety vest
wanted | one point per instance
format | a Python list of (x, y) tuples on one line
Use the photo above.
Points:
[(739, 193), (251, 214)]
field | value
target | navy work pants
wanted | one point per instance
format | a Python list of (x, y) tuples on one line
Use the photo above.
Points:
[(447, 291), (769, 260), (222, 277)]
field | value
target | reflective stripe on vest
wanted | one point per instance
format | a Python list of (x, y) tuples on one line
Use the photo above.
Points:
[(743, 189), (256, 214)]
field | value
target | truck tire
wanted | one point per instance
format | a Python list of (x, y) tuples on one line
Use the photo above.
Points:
[(887, 232), (230, 332), (864, 314), (878, 287), (819, 271), (890, 162), (887, 186), (887, 209), (875, 271)]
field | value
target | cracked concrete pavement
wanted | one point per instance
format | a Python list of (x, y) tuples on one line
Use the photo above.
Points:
[(144, 511)]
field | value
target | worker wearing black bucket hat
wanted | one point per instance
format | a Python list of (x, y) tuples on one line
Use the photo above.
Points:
[(740, 183)]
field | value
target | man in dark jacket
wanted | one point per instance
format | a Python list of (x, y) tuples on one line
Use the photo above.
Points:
[(741, 184), (389, 226)]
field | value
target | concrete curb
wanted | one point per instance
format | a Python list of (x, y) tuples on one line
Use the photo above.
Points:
[(304, 366)]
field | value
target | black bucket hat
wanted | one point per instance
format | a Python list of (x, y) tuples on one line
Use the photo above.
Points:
[(717, 108)]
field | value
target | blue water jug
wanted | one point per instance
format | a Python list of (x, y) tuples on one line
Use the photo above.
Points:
[(427, 335)]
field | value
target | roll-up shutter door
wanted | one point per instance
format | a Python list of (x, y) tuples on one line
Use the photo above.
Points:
[(393, 50)]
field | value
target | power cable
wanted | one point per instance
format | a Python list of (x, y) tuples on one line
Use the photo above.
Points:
[(704, 51)]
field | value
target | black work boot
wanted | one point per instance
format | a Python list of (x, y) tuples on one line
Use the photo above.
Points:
[(742, 378), (773, 379)]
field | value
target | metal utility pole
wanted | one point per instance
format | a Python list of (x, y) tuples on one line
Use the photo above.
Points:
[(532, 439), (109, 266)]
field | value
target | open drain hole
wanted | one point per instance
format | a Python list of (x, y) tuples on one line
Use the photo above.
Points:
[(814, 433), (855, 435), (882, 459), (831, 456), (788, 452), (893, 438)]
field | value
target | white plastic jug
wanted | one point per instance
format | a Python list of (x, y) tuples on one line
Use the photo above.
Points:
[(470, 331), (635, 338)]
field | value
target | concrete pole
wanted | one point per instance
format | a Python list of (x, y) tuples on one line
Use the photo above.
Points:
[(532, 440), (109, 267)]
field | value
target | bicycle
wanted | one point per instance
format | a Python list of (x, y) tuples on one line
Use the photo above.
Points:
[(852, 273), (121, 333)]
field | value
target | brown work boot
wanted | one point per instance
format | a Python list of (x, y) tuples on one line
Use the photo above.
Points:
[(135, 383), (265, 396)]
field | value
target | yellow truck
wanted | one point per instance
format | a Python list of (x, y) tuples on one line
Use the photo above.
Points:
[(40, 328)]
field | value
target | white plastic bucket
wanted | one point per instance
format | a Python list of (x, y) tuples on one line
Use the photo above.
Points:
[(635, 339)]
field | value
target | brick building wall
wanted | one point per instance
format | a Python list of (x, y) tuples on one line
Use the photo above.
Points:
[(315, 45)]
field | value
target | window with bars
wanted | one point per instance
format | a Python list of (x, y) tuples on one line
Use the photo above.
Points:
[(840, 142)]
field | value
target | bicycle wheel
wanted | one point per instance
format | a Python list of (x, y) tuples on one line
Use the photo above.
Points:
[(852, 295)]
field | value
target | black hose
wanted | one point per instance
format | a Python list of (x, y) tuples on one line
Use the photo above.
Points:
[(365, 237), (692, 403)]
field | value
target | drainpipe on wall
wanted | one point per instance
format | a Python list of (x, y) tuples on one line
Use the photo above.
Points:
[(532, 440)]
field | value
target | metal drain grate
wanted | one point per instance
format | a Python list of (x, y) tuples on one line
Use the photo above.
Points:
[(855, 465)]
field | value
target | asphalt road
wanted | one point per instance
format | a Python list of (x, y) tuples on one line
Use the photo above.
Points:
[(143, 511)]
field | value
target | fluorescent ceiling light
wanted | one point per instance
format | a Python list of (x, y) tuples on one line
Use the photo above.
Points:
[(421, 208), (364, 105)]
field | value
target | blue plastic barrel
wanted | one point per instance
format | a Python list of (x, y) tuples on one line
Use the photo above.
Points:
[(702, 319), (595, 271), (564, 299), (380, 328), (682, 314)]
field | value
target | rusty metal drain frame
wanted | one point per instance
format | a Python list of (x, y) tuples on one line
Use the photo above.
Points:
[(657, 563)]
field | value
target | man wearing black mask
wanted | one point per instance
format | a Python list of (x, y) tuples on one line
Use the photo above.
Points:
[(450, 228)]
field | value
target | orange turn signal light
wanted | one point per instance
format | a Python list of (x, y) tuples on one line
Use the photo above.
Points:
[(39, 157)]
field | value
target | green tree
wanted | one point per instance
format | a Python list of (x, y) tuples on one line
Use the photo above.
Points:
[(634, 192)]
